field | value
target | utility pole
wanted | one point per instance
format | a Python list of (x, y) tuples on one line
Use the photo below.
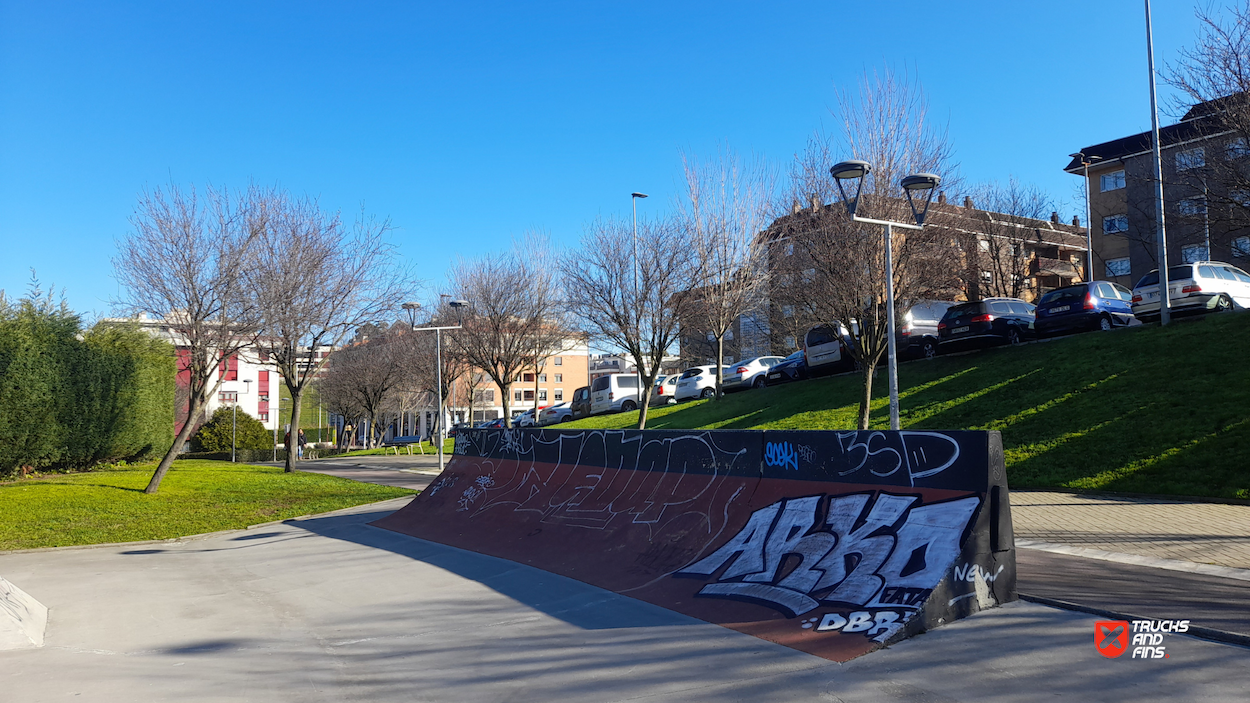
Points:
[(1165, 314)]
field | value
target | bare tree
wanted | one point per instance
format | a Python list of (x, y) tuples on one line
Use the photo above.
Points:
[(884, 123), (1213, 81), (361, 378), (643, 319), (182, 261), (315, 281), (999, 244), (513, 312), (727, 206)]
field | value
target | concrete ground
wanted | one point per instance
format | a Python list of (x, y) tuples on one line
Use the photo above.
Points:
[(330, 608)]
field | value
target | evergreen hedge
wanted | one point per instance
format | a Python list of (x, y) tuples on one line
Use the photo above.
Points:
[(73, 399), (215, 435)]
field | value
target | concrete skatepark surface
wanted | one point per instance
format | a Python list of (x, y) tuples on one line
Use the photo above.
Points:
[(330, 608)]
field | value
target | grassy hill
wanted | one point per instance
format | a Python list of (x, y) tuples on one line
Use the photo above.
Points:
[(1142, 410)]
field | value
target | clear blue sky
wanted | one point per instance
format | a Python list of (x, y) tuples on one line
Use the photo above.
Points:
[(469, 123)]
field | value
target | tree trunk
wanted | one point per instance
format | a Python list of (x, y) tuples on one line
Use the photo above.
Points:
[(644, 400), (193, 411), (292, 447), (865, 401), (720, 365), (507, 416)]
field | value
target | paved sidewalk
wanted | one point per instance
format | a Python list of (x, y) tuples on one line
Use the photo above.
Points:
[(1202, 533)]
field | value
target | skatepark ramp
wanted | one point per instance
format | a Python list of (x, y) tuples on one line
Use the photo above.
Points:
[(834, 543)]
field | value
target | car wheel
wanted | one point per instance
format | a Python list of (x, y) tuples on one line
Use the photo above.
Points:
[(928, 349), (628, 406), (707, 393), (1013, 336), (566, 418), (760, 382), (1223, 304), (1104, 323)]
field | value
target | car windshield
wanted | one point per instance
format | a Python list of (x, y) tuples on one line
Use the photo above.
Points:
[(690, 373), (600, 384), (1061, 295), (1175, 273)]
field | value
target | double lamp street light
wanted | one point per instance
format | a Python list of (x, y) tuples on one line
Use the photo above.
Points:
[(411, 309), (918, 184)]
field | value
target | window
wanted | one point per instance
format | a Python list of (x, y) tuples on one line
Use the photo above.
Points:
[(1192, 206), (484, 396), (559, 378), (1115, 224), (1000, 307), (1237, 149), (1190, 158), (1112, 181), (527, 377), (787, 310), (542, 395), (228, 396), (559, 394), (1018, 308), (518, 379), (528, 395), (987, 276), (263, 397), (264, 417), (1118, 267), (516, 395), (1241, 247), (984, 244), (542, 378), (1193, 252)]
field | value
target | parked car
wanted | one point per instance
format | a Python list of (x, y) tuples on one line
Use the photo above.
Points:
[(665, 390), (459, 426), (697, 382), (492, 424), (985, 322), (1084, 306), (918, 330), (752, 373), (526, 419), (791, 368), (579, 406), (560, 412), (615, 392), (1193, 288), (827, 349)]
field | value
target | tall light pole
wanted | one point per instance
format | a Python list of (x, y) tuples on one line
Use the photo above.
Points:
[(411, 309), (919, 183), (633, 199), (1089, 218), (1165, 314), (234, 418)]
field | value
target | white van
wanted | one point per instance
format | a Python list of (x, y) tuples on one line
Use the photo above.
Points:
[(616, 392), (827, 349)]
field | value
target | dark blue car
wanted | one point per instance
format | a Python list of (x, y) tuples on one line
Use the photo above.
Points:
[(793, 368), (1097, 305)]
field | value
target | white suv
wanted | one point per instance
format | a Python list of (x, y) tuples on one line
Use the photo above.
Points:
[(697, 382), (616, 392), (1196, 287)]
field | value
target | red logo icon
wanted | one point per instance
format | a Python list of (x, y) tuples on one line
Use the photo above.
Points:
[(1111, 637)]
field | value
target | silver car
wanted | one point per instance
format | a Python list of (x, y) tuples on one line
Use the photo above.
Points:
[(752, 373)]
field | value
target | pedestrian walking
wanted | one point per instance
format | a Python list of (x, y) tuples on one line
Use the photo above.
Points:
[(300, 449), (346, 440)]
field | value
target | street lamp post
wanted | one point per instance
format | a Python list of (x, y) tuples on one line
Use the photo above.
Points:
[(633, 199), (1161, 240), (918, 183), (234, 419), (1086, 161), (411, 309)]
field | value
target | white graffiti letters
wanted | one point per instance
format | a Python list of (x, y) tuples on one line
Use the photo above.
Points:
[(781, 454), (920, 453), (893, 555)]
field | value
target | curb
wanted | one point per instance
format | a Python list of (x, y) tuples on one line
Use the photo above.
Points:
[(1153, 497), (1198, 631), (1189, 567)]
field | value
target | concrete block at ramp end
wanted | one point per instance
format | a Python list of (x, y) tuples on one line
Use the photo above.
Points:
[(22, 618)]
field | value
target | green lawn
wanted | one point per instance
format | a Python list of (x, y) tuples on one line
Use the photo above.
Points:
[(426, 446), (1143, 410), (109, 505)]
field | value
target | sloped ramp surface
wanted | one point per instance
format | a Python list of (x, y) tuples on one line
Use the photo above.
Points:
[(22, 618), (833, 543)]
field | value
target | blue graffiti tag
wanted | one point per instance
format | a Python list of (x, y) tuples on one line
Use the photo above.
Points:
[(781, 454)]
